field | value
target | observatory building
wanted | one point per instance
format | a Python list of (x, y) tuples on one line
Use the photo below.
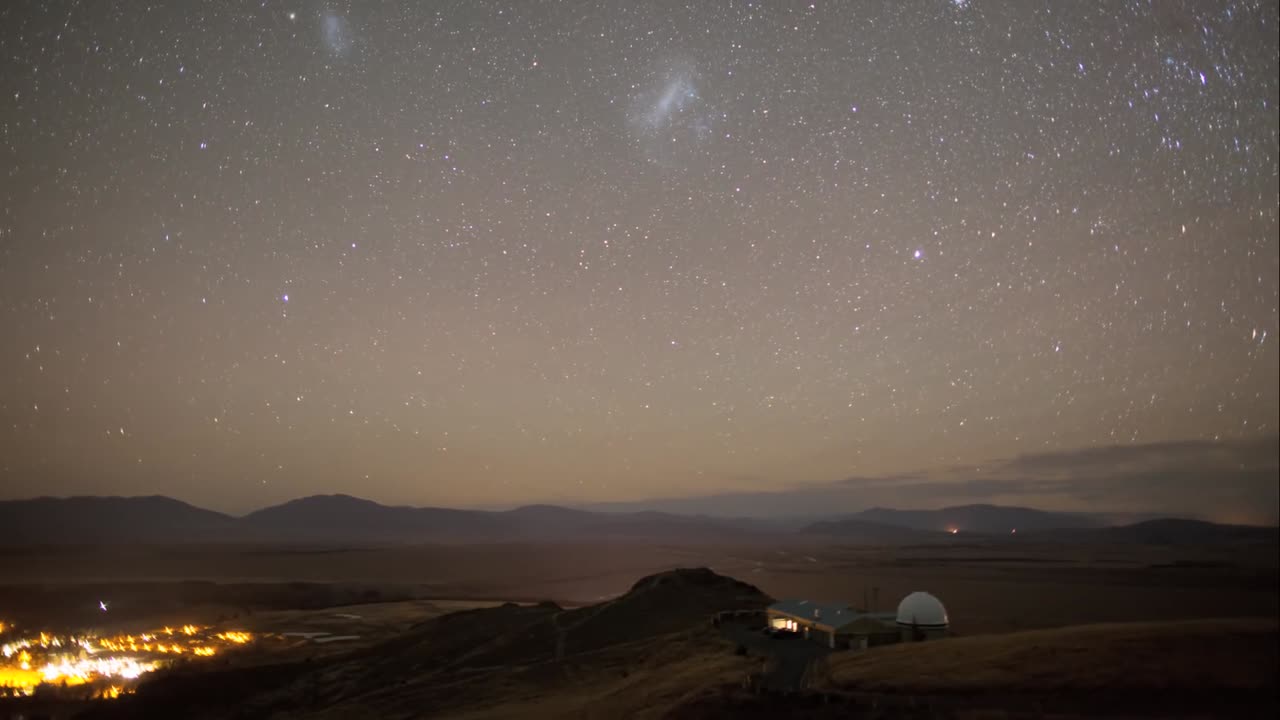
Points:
[(920, 616)]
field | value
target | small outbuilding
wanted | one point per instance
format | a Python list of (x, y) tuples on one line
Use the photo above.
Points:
[(836, 626), (920, 616)]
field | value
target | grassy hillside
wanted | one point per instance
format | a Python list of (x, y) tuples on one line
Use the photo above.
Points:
[(657, 605), (652, 653), (638, 680), (1189, 655), (638, 655)]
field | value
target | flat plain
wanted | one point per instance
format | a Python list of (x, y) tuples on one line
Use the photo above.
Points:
[(567, 630), (987, 588)]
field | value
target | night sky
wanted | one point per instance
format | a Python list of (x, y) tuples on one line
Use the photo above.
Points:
[(489, 253)]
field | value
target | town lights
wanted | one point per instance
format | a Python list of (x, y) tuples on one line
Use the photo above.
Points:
[(108, 663)]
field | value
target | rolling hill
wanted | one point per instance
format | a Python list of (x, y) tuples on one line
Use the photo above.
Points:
[(651, 653), (873, 533), (344, 519), (1151, 656), (1167, 531), (986, 519), (54, 521), (347, 519), (637, 655)]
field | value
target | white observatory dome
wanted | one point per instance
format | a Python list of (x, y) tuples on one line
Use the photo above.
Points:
[(922, 610)]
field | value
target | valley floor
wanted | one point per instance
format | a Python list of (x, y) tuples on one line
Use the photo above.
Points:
[(378, 632), (986, 589)]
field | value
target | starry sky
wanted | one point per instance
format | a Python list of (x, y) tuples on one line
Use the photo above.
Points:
[(483, 253)]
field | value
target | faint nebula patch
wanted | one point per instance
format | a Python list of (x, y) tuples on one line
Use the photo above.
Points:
[(670, 116), (678, 96), (336, 33)]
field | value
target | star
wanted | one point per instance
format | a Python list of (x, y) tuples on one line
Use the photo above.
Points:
[(678, 249)]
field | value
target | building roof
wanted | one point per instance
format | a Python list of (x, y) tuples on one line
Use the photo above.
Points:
[(923, 610), (834, 616)]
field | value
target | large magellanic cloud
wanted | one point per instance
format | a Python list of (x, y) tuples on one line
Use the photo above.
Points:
[(671, 115)]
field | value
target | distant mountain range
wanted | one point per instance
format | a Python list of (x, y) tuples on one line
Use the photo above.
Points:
[(854, 530), (346, 519), (1168, 531), (991, 519), (156, 518), (339, 518)]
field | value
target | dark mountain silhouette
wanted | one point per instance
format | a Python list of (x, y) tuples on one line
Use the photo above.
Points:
[(155, 518), (346, 519), (987, 519), (667, 602), (658, 604), (554, 522), (1164, 531), (873, 533), (341, 518), (996, 523), (1168, 531)]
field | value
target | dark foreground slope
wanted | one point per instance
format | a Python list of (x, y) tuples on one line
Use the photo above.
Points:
[(1199, 668), (637, 655), (1203, 655), (651, 653)]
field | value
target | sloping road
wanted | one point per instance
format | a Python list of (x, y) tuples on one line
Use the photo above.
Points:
[(790, 656)]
